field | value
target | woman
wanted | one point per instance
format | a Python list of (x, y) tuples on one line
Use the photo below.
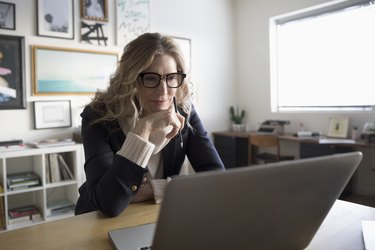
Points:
[(132, 133)]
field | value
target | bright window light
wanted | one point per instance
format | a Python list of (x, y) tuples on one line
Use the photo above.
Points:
[(323, 58)]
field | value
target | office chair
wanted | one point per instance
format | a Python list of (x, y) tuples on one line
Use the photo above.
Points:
[(257, 142)]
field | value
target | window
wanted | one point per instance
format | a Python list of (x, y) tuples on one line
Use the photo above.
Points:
[(323, 58)]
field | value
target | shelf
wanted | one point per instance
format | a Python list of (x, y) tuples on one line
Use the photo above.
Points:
[(35, 160)]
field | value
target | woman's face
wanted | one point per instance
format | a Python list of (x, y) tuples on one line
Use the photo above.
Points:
[(161, 97)]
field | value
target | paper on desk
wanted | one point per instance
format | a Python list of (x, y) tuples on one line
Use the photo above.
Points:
[(334, 140), (368, 231)]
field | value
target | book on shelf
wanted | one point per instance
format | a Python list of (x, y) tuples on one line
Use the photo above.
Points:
[(57, 169), (54, 168), (23, 211), (11, 142), (53, 143), (59, 207), (24, 214), (22, 180), (2, 213), (11, 145), (22, 219)]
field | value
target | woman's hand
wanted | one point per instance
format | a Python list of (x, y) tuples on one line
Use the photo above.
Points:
[(158, 121)]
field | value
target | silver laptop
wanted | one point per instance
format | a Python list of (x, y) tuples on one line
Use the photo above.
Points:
[(273, 206)]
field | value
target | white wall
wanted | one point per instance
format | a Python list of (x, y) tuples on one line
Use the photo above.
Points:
[(209, 24), (253, 71)]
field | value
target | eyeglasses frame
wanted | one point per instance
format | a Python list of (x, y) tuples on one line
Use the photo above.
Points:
[(161, 77)]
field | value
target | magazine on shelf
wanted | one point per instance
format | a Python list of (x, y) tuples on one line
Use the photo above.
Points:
[(59, 207), (53, 143)]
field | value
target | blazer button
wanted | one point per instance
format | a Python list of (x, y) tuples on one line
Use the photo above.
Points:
[(134, 188)]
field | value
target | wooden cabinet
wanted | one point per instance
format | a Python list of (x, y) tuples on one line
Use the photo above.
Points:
[(34, 160)]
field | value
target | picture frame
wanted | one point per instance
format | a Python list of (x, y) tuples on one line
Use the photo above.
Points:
[(185, 46), (133, 18), (338, 127), (55, 18), (78, 72), (12, 72), (94, 10), (7, 16), (52, 114)]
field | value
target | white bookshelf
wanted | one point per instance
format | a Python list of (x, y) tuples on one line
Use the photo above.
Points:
[(33, 159)]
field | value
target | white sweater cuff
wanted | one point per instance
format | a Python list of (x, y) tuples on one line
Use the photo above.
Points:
[(136, 149)]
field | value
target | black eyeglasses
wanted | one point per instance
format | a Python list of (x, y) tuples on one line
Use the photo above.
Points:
[(152, 80)]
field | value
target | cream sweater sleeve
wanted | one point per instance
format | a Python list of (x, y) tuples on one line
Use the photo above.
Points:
[(136, 149)]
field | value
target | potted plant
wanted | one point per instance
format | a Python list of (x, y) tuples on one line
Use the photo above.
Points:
[(236, 117)]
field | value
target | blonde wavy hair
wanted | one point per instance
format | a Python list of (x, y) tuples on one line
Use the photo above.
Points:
[(119, 99)]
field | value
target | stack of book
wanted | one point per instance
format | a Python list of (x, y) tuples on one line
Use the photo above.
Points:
[(24, 214), (11, 145), (59, 207), (23, 180), (57, 169)]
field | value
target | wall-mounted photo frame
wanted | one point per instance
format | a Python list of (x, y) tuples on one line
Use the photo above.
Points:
[(55, 18), (12, 72), (52, 114), (338, 127), (7, 16), (94, 10), (77, 72), (185, 46), (132, 19)]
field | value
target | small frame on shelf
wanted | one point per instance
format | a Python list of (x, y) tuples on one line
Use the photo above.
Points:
[(7, 16), (338, 127), (68, 77), (94, 10), (52, 114), (56, 18), (12, 72)]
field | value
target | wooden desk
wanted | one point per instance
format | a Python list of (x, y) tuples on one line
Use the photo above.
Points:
[(87, 231), (233, 147), (340, 230)]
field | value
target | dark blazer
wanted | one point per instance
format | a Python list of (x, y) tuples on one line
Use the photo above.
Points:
[(109, 176)]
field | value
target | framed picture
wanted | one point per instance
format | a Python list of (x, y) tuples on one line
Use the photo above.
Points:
[(12, 72), (338, 127), (7, 16), (95, 10), (185, 46), (132, 19), (55, 18), (52, 114), (59, 71)]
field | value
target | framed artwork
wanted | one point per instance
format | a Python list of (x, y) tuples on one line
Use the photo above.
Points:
[(12, 72), (52, 114), (133, 19), (95, 10), (55, 18), (7, 16), (93, 33), (79, 72), (185, 46), (338, 127)]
